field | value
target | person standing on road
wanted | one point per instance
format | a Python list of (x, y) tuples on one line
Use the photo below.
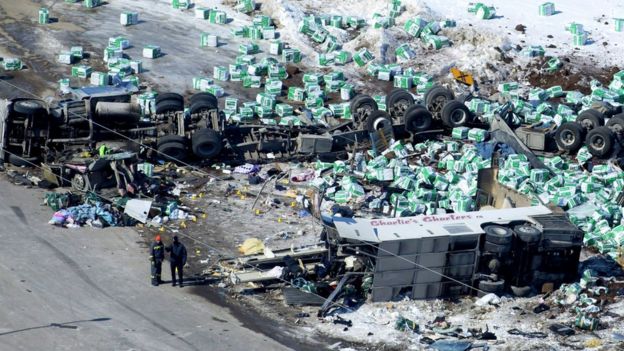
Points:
[(177, 259), (157, 255)]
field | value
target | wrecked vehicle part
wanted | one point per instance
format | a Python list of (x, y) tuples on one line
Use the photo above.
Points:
[(398, 102), (435, 98), (443, 255), (361, 107)]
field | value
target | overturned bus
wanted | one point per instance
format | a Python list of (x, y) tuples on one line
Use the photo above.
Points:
[(491, 251)]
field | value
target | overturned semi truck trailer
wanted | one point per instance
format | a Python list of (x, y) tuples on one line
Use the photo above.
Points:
[(432, 256)]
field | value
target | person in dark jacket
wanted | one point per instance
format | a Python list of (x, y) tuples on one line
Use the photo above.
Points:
[(177, 259), (157, 255)]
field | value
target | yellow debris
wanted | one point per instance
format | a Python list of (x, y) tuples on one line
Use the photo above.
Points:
[(462, 77), (591, 343), (251, 246)]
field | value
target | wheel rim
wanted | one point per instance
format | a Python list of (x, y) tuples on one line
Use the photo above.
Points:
[(78, 182), (598, 142), (498, 231), (458, 116), (587, 124), (400, 107), (362, 113), (567, 137), (29, 104), (617, 128), (437, 103)]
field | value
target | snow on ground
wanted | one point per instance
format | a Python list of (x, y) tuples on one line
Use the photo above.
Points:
[(596, 20), (375, 324), (476, 44)]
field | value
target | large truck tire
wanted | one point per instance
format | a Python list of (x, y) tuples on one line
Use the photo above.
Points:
[(378, 120), (169, 96), (204, 96), (591, 119), (417, 119), (29, 107), (456, 114), (172, 151), (569, 136), (168, 106), (361, 107), (22, 161), (399, 101), (436, 97), (600, 141), (172, 139), (206, 143), (497, 234)]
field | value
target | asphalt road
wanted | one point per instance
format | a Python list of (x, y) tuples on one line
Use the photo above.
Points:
[(89, 289)]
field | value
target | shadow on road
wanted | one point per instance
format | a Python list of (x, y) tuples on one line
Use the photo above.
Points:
[(66, 325)]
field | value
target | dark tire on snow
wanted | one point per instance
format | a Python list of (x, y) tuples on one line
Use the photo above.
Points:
[(361, 107), (528, 233), (590, 119), (206, 143), (399, 101), (417, 119), (378, 120), (169, 96), (436, 97), (489, 286), (167, 106), (497, 234), (172, 139), (569, 136), (616, 124), (172, 151), (600, 141), (456, 114), (29, 107), (23, 161), (203, 96)]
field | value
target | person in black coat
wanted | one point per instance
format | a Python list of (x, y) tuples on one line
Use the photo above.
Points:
[(157, 256), (177, 259)]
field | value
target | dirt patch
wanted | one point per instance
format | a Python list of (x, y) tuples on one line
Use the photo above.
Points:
[(521, 28), (570, 77)]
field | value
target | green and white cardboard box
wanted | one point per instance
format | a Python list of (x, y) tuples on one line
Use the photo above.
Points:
[(575, 28), (77, 52), (362, 57), (218, 17), (151, 51), (91, 3), (66, 57), (215, 90), (296, 94), (291, 55), (99, 78), (547, 9), (64, 87), (275, 48), (248, 48), (283, 110), (208, 40), (44, 15), (112, 53), (128, 18), (221, 73), (82, 71), (405, 53), (202, 83), (245, 6), (202, 12), (119, 42), (273, 86), (136, 66), (618, 24)]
